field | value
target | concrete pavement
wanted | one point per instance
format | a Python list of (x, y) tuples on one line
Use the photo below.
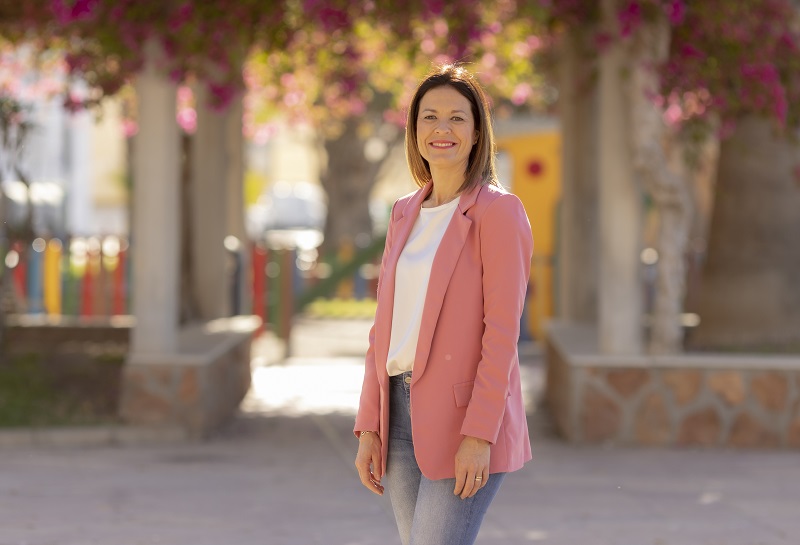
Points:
[(282, 474)]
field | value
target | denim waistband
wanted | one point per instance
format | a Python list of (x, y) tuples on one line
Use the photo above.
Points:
[(401, 378)]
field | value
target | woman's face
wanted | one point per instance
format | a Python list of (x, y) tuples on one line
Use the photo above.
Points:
[(445, 128)]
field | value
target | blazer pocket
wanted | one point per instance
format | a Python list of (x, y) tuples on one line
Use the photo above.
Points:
[(463, 393)]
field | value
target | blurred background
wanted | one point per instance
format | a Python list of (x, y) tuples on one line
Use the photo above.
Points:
[(250, 170), (194, 198), (193, 193)]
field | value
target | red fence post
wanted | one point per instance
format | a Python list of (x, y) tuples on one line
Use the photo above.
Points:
[(87, 284), (119, 283), (21, 271)]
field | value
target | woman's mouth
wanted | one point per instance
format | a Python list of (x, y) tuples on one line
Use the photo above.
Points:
[(442, 145)]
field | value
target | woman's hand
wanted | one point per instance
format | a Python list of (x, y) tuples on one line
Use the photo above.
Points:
[(369, 454), (472, 460)]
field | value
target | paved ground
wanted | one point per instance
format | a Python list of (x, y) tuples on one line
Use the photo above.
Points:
[(282, 473)]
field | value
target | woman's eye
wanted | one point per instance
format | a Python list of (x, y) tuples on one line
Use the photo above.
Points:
[(457, 118), (430, 116)]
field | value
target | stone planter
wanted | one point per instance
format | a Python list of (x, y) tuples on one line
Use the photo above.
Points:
[(710, 400)]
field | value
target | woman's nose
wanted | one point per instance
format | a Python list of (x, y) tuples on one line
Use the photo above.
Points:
[(442, 126)]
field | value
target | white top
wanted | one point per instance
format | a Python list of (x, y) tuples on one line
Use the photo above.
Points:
[(411, 284)]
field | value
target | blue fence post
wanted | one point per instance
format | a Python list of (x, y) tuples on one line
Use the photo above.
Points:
[(36, 278), (359, 285)]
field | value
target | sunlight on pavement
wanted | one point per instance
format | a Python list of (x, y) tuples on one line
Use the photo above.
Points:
[(536, 535), (319, 385), (306, 386), (707, 498)]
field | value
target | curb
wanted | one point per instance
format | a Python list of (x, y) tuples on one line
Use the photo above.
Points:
[(91, 436)]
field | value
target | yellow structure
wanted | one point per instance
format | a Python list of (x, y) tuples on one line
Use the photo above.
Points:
[(532, 157), (52, 277)]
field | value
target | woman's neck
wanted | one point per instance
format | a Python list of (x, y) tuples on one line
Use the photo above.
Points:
[(446, 186)]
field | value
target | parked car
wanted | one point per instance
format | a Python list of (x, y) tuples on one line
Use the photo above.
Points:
[(289, 214)]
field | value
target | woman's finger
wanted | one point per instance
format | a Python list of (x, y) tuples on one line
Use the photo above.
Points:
[(480, 482), (369, 454), (367, 480), (377, 467), (461, 477), (470, 486), (485, 475)]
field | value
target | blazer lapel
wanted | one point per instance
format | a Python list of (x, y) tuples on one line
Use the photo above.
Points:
[(402, 229), (444, 263)]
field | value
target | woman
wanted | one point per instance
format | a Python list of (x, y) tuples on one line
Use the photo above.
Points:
[(441, 413)]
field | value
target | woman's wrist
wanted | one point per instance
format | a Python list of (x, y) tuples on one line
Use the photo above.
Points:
[(364, 432)]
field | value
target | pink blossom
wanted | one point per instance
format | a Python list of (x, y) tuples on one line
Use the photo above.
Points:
[(181, 17), (521, 94), (396, 117), (629, 18), (294, 98), (434, 7), (176, 75), (333, 19), (442, 59), (185, 95), (187, 119), (72, 103), (129, 127), (357, 107), (521, 49), (221, 95), (79, 9), (603, 40), (676, 11), (691, 52), (264, 133), (673, 114)]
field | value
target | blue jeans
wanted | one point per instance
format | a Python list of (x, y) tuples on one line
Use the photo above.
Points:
[(427, 512)]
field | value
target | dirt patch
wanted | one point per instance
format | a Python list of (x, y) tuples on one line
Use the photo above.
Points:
[(59, 389)]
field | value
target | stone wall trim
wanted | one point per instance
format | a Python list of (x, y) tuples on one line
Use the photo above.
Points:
[(670, 405)]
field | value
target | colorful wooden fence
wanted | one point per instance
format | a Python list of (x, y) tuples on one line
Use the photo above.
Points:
[(78, 277), (91, 277)]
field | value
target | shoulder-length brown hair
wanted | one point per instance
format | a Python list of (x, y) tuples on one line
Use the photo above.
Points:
[(481, 164)]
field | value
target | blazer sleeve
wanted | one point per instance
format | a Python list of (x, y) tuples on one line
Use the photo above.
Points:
[(506, 250), (368, 416)]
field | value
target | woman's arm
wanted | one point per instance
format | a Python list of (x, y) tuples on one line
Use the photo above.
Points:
[(368, 459), (368, 416), (506, 251)]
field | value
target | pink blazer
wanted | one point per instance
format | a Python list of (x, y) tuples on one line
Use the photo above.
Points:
[(466, 377)]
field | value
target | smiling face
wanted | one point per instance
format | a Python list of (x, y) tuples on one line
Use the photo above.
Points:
[(445, 128)]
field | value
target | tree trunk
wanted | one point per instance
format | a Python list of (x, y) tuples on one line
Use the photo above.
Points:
[(348, 181), (13, 140), (189, 310), (749, 296), (667, 186)]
